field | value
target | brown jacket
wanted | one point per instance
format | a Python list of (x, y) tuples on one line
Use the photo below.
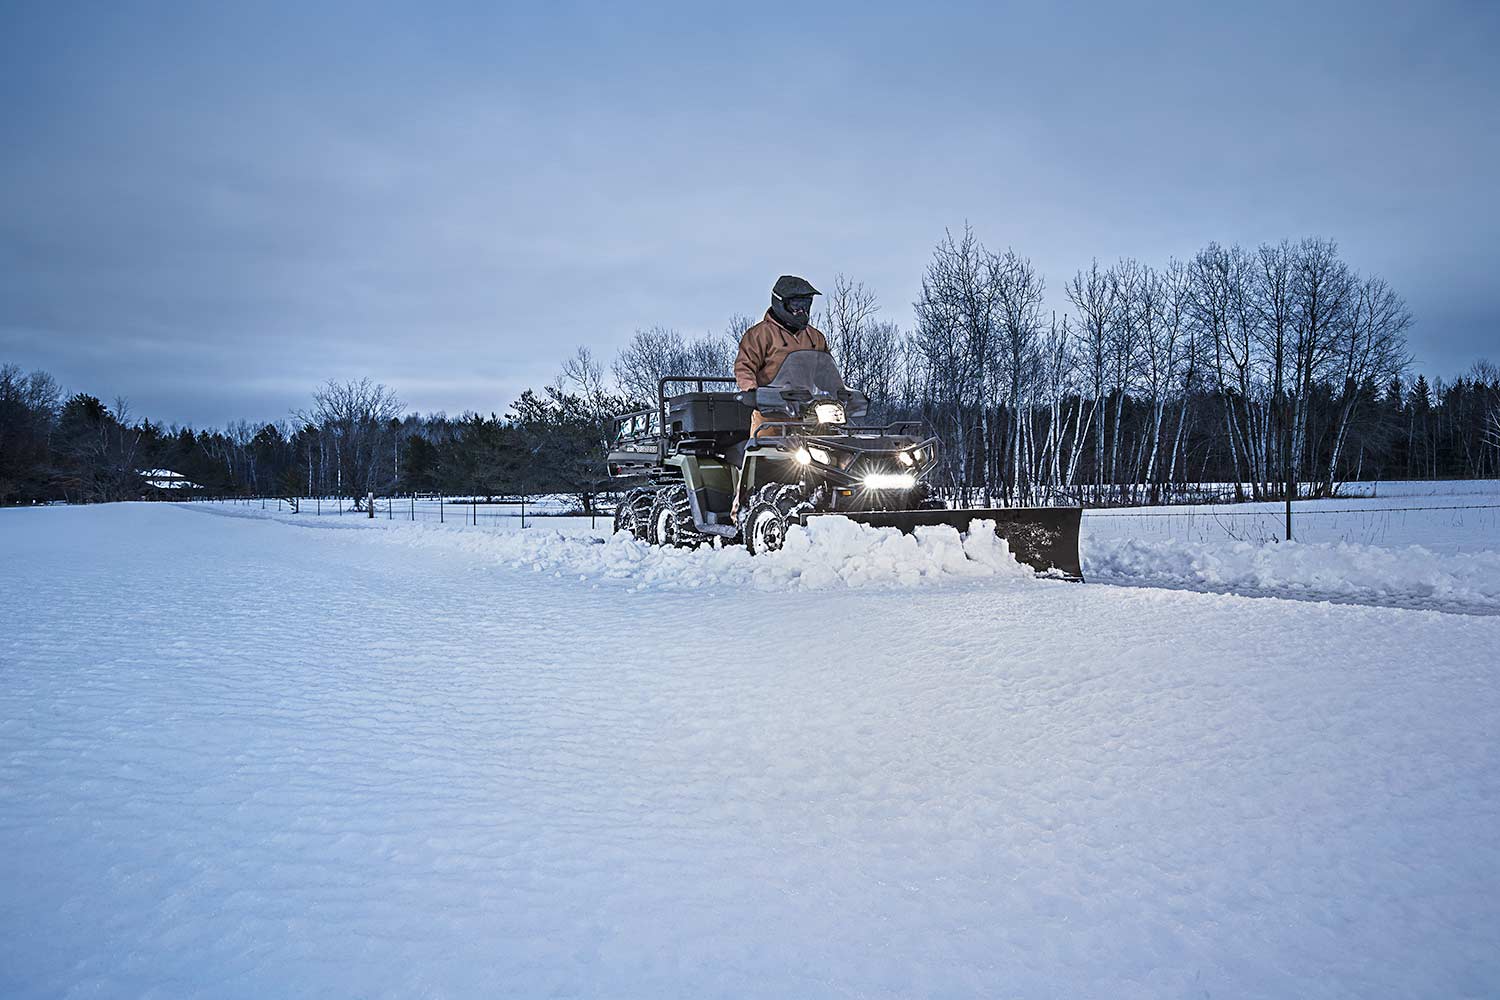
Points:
[(765, 346)]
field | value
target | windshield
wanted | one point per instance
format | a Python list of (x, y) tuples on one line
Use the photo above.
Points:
[(810, 370)]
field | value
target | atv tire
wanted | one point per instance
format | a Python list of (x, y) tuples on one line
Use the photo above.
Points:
[(671, 521), (633, 514), (775, 508)]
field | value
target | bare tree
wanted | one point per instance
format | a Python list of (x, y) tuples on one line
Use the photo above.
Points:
[(1219, 308), (651, 354), (1322, 290), (660, 351), (585, 377), (956, 335), (846, 318), (1487, 376), (866, 348), (1094, 293), (1182, 341), (1019, 291), (354, 419)]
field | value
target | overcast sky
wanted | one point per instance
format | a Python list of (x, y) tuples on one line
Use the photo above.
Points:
[(211, 207)]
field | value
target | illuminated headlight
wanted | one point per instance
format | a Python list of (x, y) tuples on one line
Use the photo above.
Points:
[(829, 413), (905, 457), (802, 455), (819, 455), (889, 481)]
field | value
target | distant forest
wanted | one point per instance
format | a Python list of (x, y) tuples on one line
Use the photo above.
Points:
[(1247, 367)]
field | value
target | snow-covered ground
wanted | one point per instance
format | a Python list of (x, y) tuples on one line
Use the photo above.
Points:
[(279, 755), (1413, 544), (1432, 545)]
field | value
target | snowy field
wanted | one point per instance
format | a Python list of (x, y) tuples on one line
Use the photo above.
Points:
[(1424, 545), (249, 754), (1415, 544)]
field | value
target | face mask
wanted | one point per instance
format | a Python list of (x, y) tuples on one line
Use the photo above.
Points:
[(794, 311)]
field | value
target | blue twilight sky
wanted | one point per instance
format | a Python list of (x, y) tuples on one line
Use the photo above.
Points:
[(211, 207)]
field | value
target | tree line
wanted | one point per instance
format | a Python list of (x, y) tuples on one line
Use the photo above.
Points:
[(354, 440), (1239, 373)]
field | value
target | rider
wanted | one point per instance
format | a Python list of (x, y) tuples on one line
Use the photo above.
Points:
[(765, 345), (785, 329)]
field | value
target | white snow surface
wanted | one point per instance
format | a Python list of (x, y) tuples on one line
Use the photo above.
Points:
[(1407, 576), (1426, 545), (245, 757), (829, 553), (1406, 544)]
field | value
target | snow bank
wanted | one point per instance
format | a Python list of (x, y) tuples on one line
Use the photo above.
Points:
[(830, 553), (1407, 576)]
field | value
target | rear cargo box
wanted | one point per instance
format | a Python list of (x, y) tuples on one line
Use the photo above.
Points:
[(699, 413)]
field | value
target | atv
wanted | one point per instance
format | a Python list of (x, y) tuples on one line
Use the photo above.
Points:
[(695, 459)]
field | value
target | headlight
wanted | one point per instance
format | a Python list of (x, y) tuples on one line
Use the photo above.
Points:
[(905, 457), (829, 413), (820, 455), (889, 481), (802, 455)]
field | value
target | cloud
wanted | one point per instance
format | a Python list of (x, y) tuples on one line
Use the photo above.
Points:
[(206, 212)]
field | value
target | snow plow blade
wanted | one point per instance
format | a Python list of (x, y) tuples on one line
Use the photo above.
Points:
[(1044, 538)]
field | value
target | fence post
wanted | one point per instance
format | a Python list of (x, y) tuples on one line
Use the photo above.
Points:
[(320, 507), (440, 508), (474, 509), (523, 510), (413, 508)]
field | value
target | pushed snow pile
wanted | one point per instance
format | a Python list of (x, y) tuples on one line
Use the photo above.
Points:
[(1410, 576), (828, 553)]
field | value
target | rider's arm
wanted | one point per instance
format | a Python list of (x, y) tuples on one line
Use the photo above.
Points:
[(751, 358)]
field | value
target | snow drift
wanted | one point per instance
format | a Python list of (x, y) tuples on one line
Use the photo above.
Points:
[(1408, 576), (829, 553), (832, 553)]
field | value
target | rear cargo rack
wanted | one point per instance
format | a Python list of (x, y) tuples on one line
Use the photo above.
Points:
[(661, 400)]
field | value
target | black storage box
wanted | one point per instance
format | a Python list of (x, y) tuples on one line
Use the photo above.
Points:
[(697, 413)]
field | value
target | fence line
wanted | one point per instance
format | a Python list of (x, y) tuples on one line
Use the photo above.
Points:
[(1215, 511), (449, 510)]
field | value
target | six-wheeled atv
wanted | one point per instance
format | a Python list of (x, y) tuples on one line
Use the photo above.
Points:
[(696, 460)]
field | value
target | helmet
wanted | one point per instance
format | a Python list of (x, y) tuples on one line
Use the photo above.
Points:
[(791, 301)]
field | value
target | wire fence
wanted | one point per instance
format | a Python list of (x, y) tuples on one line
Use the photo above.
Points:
[(1450, 524), (1450, 527), (1203, 510), (522, 512)]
